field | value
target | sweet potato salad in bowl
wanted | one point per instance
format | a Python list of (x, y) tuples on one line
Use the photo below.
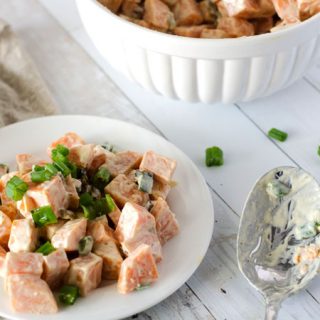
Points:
[(206, 51), (214, 19), (88, 214)]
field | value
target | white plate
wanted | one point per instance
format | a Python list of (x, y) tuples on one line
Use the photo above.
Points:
[(190, 200)]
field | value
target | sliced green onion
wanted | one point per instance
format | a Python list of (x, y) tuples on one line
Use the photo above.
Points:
[(100, 207), (108, 146), (88, 212), (62, 167), (43, 216), (144, 180), (318, 151), (277, 134), (110, 203), (68, 294), (51, 168), (214, 156), (85, 245), (46, 248), (86, 199), (62, 150), (57, 156), (37, 168), (41, 176), (16, 188), (101, 178)]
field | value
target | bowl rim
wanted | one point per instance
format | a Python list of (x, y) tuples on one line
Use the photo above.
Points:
[(251, 40)]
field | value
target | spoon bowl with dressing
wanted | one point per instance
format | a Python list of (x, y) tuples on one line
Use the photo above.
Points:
[(278, 243)]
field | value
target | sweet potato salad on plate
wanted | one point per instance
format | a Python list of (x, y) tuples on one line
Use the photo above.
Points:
[(88, 214), (215, 19)]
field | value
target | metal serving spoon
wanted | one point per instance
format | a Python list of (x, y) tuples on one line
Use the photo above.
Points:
[(280, 215)]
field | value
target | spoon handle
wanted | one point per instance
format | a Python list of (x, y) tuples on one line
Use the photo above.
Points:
[(272, 309)]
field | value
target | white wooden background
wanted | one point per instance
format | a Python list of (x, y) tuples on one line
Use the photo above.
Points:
[(81, 82)]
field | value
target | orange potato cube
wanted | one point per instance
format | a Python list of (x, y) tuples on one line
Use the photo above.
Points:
[(30, 294), (26, 205), (50, 193), (3, 182), (111, 257), (68, 236), (137, 226), (23, 236), (82, 155), (51, 229), (138, 270), (159, 15), (187, 13), (25, 162), (122, 190), (161, 167), (85, 273), (100, 156), (69, 140), (5, 228), (23, 263), (287, 10), (55, 267), (122, 162), (166, 223), (236, 27), (10, 210), (99, 230)]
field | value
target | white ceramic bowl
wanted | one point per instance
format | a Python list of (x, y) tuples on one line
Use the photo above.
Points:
[(207, 70)]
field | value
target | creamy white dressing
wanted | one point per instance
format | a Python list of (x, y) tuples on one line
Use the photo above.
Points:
[(290, 217)]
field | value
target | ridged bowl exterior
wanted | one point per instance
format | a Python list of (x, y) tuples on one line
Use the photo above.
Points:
[(206, 70)]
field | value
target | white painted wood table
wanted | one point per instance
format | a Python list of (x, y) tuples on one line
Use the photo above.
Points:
[(82, 83)]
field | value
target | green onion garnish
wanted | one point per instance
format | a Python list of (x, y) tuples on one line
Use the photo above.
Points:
[(110, 203), (85, 245), (16, 188), (51, 168), (62, 150), (62, 167), (43, 216), (318, 150), (100, 207), (41, 176), (101, 178), (144, 180), (88, 212), (86, 199), (214, 157), (68, 294), (37, 168), (277, 134), (46, 248)]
